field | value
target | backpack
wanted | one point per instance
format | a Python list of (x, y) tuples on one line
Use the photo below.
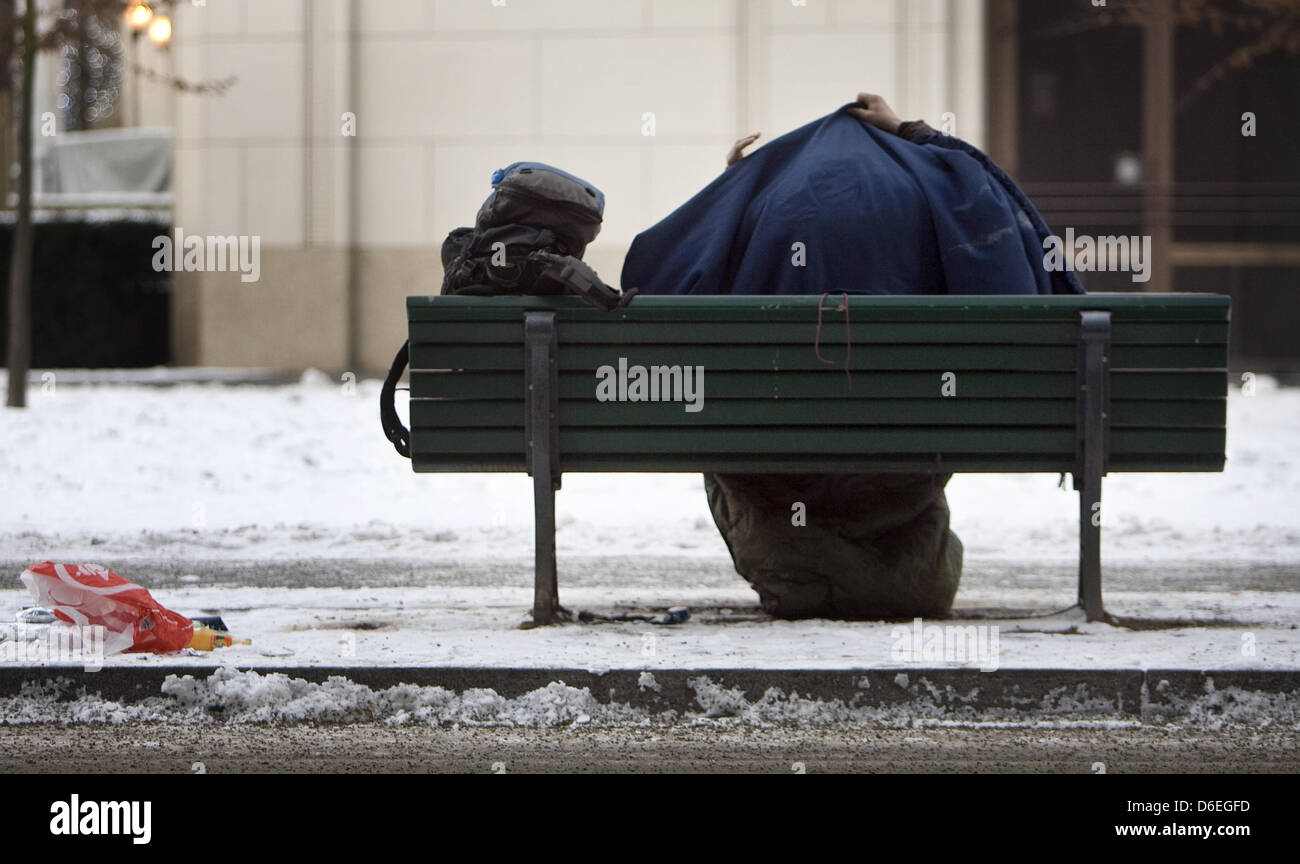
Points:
[(528, 238)]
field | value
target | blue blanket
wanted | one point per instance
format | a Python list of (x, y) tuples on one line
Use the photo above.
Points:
[(841, 206)]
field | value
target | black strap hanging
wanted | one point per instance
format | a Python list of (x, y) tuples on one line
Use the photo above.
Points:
[(394, 431)]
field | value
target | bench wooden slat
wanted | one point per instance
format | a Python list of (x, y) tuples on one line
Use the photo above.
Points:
[(431, 413), (620, 332), (781, 440), (862, 358), (773, 308), (1157, 386), (805, 464)]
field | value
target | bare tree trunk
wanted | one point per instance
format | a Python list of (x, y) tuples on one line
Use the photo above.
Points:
[(20, 259)]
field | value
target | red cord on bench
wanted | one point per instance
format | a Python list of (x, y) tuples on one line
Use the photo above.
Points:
[(848, 335)]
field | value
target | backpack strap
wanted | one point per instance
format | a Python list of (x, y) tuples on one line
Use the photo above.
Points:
[(394, 431), (576, 277)]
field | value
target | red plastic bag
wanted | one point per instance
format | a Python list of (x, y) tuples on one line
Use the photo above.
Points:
[(88, 595)]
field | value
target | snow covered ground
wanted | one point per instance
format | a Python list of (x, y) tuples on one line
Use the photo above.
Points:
[(211, 470), (203, 481), (457, 626)]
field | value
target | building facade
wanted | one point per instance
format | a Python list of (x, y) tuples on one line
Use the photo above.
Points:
[(359, 134)]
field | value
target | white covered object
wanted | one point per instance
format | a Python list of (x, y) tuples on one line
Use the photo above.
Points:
[(106, 163)]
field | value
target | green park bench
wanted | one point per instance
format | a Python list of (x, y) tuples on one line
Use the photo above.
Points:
[(1086, 385)]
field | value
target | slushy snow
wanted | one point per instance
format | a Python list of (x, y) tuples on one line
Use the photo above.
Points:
[(230, 696)]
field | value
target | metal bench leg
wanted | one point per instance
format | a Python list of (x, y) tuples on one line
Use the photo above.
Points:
[(541, 432), (546, 589), (1090, 548), (1093, 429)]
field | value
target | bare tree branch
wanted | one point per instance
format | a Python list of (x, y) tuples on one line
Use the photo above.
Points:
[(1276, 21)]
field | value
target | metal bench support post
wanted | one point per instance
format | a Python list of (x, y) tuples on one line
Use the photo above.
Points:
[(1092, 453), (542, 436)]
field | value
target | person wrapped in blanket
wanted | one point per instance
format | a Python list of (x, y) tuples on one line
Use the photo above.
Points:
[(881, 207)]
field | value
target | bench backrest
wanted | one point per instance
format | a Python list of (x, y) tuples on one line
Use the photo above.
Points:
[(783, 393)]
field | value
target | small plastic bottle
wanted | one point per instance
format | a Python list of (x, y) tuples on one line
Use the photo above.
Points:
[(206, 639)]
